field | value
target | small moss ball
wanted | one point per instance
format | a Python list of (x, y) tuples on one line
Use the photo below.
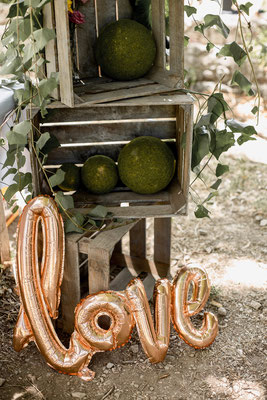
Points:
[(99, 174), (146, 165), (125, 50), (72, 177)]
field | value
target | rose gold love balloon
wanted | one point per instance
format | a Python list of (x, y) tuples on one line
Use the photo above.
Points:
[(155, 344), (183, 309), (39, 288)]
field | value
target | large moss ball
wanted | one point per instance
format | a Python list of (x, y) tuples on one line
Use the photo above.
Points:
[(125, 50), (99, 174), (72, 177), (146, 165)]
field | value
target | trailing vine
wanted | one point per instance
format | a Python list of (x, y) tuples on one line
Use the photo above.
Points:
[(25, 39)]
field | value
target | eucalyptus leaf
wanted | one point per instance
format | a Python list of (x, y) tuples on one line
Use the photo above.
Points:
[(216, 184), (98, 212), (216, 106), (201, 146), (57, 178), (11, 191), (221, 169), (235, 51), (246, 7), (240, 80), (190, 10), (75, 223), (43, 139), (64, 201), (223, 141), (215, 20), (202, 212)]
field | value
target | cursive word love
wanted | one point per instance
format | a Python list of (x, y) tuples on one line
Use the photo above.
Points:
[(39, 287)]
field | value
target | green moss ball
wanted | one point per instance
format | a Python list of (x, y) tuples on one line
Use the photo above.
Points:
[(72, 177), (125, 50), (99, 174), (146, 165)]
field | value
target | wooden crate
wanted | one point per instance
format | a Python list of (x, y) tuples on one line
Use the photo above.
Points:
[(165, 75), (105, 128), (100, 257)]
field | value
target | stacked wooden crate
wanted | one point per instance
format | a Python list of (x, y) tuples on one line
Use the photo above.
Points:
[(99, 116)]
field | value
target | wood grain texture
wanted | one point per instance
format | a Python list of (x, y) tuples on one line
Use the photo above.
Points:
[(124, 9), (121, 130), (4, 238), (189, 115), (86, 37), (64, 53), (51, 47), (138, 239), (70, 289), (158, 28), (162, 241), (177, 38)]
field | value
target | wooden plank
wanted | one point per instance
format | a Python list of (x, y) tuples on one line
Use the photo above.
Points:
[(64, 52), (101, 85), (162, 241), (51, 47), (158, 28), (113, 131), (123, 94), (121, 197), (149, 285), (70, 289), (96, 113), (124, 9), (167, 78), (78, 155), (4, 238), (106, 12), (86, 37), (177, 198), (156, 99), (98, 269), (189, 111), (177, 38), (138, 239), (140, 264), (121, 280)]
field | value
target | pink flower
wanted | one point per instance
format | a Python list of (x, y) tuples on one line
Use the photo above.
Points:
[(77, 17)]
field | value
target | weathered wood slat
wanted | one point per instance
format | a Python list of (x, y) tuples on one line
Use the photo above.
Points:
[(138, 240), (64, 52), (95, 132), (139, 264), (95, 113), (102, 85), (4, 238), (177, 37), (162, 241), (157, 211), (123, 94), (86, 36), (70, 289), (51, 47), (188, 115), (124, 9), (158, 28), (156, 99)]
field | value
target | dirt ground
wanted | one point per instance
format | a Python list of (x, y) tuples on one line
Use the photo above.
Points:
[(232, 247)]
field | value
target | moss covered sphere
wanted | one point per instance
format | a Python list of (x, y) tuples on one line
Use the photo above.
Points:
[(99, 174), (72, 177), (125, 50), (146, 165)]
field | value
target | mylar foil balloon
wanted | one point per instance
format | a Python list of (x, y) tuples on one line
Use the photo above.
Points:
[(183, 308), (39, 288)]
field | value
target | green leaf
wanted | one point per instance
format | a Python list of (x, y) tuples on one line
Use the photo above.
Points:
[(10, 66), (15, 209), (221, 169), (209, 46), (240, 80), (255, 110), (46, 86), (11, 191), (240, 127), (42, 37), (204, 120), (10, 171), (64, 201), (98, 212), (19, 134), (200, 147), (43, 139), (190, 10), (223, 141), (202, 212), (199, 28), (216, 106), (235, 51), (210, 196), (216, 184), (15, 10), (244, 138), (70, 226), (215, 20), (186, 41), (23, 180), (51, 144), (246, 7), (57, 178)]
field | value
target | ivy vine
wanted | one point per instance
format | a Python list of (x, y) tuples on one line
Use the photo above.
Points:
[(25, 39)]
